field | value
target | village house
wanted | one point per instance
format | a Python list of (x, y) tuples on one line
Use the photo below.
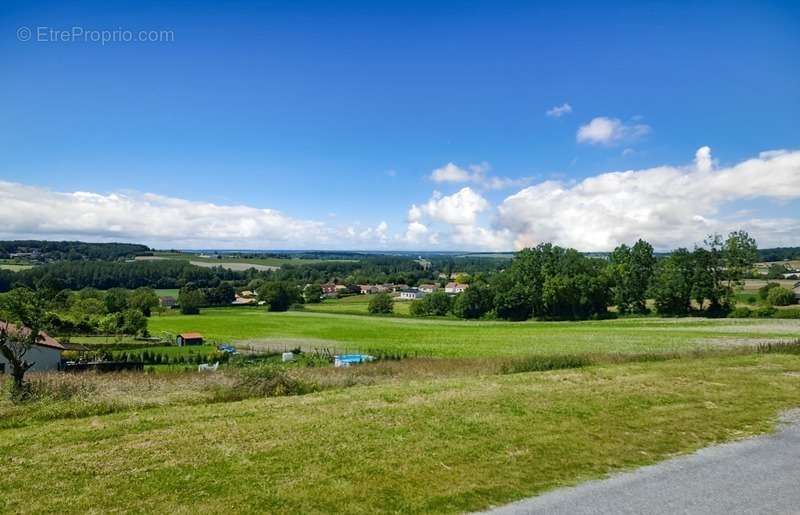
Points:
[(428, 288), (45, 354), (328, 288), (367, 289), (455, 288), (411, 294), (167, 302), (243, 301)]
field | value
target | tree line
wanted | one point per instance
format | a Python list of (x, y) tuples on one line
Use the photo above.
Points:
[(72, 250), (551, 282)]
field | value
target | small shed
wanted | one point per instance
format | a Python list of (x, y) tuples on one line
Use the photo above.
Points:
[(189, 339)]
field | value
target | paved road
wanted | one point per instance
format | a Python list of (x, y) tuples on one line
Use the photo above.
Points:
[(755, 476)]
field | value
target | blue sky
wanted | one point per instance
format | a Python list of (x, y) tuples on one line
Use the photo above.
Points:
[(338, 113)]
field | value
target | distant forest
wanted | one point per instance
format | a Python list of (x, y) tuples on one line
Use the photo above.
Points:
[(779, 254), (70, 250)]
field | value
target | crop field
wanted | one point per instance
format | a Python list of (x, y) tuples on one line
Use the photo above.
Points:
[(452, 338)]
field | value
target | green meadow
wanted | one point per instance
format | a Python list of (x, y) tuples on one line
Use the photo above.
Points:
[(454, 338)]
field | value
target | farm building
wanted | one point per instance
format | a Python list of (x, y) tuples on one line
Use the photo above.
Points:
[(455, 287), (411, 294), (167, 302), (45, 354), (189, 339)]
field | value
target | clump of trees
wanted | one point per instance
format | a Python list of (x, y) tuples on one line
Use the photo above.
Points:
[(381, 304), (551, 282), (434, 304), (708, 275), (279, 296)]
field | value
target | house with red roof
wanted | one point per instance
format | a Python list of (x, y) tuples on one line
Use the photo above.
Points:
[(45, 354)]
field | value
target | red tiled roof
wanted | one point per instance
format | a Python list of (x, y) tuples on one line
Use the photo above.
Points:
[(45, 340), (191, 336)]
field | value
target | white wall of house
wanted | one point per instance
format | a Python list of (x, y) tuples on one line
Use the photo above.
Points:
[(44, 358)]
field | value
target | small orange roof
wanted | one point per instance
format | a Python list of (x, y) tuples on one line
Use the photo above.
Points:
[(191, 336)]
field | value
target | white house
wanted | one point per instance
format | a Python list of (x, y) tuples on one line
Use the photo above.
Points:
[(45, 354), (411, 294), (455, 287), (428, 288)]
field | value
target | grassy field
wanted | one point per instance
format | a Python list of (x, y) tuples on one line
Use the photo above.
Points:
[(454, 338), (442, 445), (357, 304), (14, 267)]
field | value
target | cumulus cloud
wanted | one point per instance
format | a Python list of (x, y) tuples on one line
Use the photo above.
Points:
[(610, 131), (28, 211), (702, 159), (460, 208), (474, 173), (669, 206), (459, 215), (559, 111)]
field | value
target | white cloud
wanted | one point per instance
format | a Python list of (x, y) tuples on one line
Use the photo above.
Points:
[(476, 174), (28, 211), (702, 159), (459, 214), (559, 111), (610, 131), (669, 206), (460, 208)]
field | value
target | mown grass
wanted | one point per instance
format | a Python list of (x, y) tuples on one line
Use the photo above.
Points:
[(356, 305), (452, 338), (450, 444)]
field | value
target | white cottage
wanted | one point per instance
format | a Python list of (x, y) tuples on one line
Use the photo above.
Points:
[(45, 354)]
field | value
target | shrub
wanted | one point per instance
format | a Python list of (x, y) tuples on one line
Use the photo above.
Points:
[(780, 296), (787, 313), (765, 312), (271, 381), (544, 363), (381, 303), (763, 292), (741, 312)]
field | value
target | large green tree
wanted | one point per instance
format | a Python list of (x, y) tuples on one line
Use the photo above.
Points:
[(191, 299), (22, 314), (144, 299), (672, 283), (278, 296), (631, 269)]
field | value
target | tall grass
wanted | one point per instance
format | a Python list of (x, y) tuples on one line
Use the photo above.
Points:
[(59, 395)]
